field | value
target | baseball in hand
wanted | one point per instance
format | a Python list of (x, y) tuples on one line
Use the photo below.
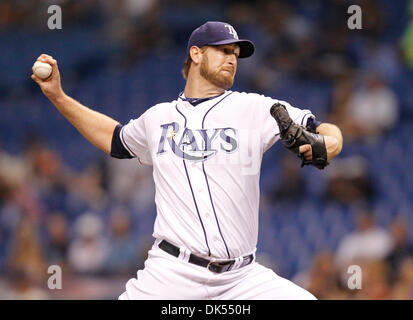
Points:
[(42, 70)]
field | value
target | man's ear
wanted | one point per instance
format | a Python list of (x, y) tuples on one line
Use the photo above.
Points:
[(196, 54)]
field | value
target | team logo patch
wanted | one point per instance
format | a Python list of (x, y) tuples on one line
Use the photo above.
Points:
[(231, 31), (196, 144)]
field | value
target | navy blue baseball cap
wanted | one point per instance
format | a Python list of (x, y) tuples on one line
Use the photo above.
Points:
[(215, 33)]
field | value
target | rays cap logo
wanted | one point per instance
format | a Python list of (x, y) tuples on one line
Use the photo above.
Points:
[(215, 33)]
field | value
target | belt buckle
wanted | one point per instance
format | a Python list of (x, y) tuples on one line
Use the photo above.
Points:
[(208, 265), (219, 267)]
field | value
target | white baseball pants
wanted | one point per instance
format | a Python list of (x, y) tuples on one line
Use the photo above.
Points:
[(166, 277)]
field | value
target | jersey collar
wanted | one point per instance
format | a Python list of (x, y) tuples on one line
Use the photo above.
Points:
[(195, 101)]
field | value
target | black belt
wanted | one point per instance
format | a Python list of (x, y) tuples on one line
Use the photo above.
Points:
[(214, 266)]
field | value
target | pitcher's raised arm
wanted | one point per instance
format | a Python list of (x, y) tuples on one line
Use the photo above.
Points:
[(96, 127)]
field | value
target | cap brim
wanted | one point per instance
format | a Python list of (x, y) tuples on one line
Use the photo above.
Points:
[(246, 47)]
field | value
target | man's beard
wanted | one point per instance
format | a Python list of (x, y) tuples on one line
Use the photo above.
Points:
[(218, 78)]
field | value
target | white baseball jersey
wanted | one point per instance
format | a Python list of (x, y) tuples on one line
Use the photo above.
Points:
[(206, 167)]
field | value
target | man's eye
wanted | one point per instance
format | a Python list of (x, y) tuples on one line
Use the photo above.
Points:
[(229, 51)]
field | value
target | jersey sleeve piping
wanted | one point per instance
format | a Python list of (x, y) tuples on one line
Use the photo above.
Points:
[(117, 149), (125, 144)]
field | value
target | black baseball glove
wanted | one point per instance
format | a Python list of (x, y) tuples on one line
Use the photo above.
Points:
[(293, 136)]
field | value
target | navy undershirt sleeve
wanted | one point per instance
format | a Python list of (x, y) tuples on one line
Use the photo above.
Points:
[(117, 148), (312, 125)]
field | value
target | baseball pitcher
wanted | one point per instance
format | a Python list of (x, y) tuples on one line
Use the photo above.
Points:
[(206, 148)]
